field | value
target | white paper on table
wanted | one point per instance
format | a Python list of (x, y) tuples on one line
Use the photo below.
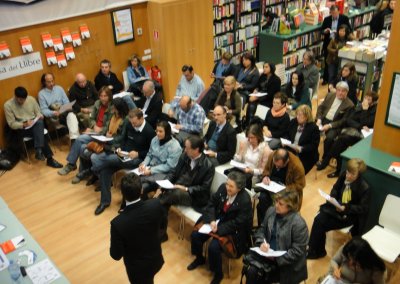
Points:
[(174, 130), (122, 94), (329, 279), (272, 186), (238, 164), (67, 107), (102, 138), (165, 184), (33, 122), (329, 198), (367, 133), (42, 272), (258, 94), (269, 253), (206, 228)]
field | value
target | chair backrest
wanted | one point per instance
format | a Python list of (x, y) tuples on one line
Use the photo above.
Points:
[(388, 218), (261, 111), (126, 81), (166, 107)]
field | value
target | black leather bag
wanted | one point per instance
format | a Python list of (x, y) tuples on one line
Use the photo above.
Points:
[(8, 159), (266, 269)]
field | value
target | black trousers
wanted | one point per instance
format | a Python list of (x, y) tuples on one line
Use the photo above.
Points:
[(40, 141), (339, 146), (324, 223), (264, 202), (330, 137), (214, 251), (140, 277)]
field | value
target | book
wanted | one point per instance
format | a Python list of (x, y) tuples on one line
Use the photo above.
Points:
[(66, 35), (84, 31), (51, 58), (4, 50), (47, 40), (61, 60), (69, 53), (76, 39), (57, 44), (26, 44)]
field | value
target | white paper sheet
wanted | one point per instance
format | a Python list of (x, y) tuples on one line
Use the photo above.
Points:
[(174, 130), (43, 272), (366, 133), (258, 94), (329, 198), (238, 164), (66, 107), (269, 253), (206, 228), (33, 122), (272, 186), (165, 184), (102, 138), (122, 94)]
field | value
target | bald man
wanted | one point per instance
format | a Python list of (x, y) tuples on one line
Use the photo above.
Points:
[(85, 94)]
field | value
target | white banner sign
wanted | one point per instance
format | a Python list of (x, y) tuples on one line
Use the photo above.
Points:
[(20, 65)]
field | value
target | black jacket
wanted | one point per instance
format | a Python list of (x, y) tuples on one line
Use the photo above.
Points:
[(134, 236), (277, 125), (358, 207), (102, 80), (199, 190), (154, 110), (133, 140), (360, 118), (271, 87), (85, 97), (236, 222), (226, 142), (250, 81), (309, 141)]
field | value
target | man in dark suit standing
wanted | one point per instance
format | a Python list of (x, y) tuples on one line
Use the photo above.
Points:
[(332, 114), (329, 28), (220, 138), (151, 103), (134, 233)]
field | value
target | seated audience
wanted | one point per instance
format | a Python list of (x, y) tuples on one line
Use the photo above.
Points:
[(107, 78), (297, 90), (362, 118), (192, 178), (309, 70), (191, 118), (229, 213), (51, 98), (353, 195), (285, 168), (161, 159), (348, 74), (134, 233), (332, 114), (356, 262), (253, 152), (84, 94), (230, 99), (277, 121), (282, 229), (304, 135), (247, 78), (267, 83), (338, 42), (21, 112), (135, 143), (137, 75), (220, 138), (151, 103)]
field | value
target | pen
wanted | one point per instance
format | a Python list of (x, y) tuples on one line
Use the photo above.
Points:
[(265, 242)]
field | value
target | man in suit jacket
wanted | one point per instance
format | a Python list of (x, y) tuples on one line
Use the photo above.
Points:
[(134, 233), (192, 178), (329, 28), (220, 138), (151, 103), (332, 114)]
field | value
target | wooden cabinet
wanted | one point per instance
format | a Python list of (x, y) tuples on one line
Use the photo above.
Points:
[(181, 32)]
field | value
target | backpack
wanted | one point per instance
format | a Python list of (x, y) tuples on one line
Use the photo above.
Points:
[(8, 159)]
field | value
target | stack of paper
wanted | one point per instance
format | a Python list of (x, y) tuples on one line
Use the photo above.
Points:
[(272, 186)]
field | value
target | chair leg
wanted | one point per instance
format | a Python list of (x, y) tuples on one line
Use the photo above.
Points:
[(181, 228), (26, 153)]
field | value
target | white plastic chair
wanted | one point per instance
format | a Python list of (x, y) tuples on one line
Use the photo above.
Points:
[(261, 111), (385, 237)]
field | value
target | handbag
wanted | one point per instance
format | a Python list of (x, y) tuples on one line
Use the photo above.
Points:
[(266, 269), (95, 147)]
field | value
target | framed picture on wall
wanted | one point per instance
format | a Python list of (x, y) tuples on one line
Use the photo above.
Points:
[(393, 113), (122, 25)]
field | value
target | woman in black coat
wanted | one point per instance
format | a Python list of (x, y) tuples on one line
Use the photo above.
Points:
[(247, 78), (229, 213), (304, 135), (298, 90), (353, 195)]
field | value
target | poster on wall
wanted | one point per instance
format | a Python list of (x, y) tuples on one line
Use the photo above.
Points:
[(122, 25), (393, 113)]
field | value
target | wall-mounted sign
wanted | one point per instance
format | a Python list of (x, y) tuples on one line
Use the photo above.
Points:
[(20, 65)]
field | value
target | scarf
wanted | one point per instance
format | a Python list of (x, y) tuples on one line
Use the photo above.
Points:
[(278, 113)]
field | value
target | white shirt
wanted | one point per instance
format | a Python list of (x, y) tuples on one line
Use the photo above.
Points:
[(132, 202), (334, 107), (147, 102), (140, 129)]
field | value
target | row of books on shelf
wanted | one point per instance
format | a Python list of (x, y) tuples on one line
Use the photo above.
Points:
[(222, 2), (301, 41), (224, 11), (218, 52), (249, 19), (246, 45), (361, 20), (223, 26), (363, 32), (243, 34), (248, 5), (223, 40), (295, 58)]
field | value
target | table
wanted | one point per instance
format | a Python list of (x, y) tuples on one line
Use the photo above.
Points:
[(15, 228)]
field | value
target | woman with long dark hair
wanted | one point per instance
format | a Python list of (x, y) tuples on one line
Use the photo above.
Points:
[(248, 76), (348, 74), (298, 90)]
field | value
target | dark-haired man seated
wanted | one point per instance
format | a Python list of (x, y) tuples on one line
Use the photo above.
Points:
[(21, 113)]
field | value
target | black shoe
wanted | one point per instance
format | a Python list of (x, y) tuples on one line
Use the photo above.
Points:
[(333, 175), (197, 262), (321, 165), (217, 278), (39, 155), (53, 163), (314, 255), (92, 180), (100, 208)]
